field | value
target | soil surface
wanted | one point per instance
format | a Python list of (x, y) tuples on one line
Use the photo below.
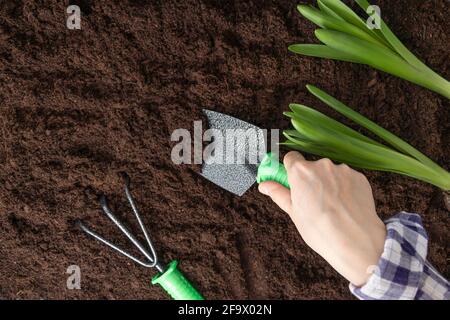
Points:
[(78, 107)]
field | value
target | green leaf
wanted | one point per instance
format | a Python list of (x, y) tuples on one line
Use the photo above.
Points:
[(350, 16), (345, 12), (322, 51), (304, 113), (328, 22), (318, 134), (374, 56), (390, 138), (352, 155), (322, 151), (344, 143), (366, 155), (436, 82), (325, 9), (379, 48), (394, 41)]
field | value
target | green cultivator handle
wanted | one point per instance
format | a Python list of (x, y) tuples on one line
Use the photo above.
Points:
[(270, 169), (175, 284)]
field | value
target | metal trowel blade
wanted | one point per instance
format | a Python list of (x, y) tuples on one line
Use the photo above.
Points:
[(239, 176)]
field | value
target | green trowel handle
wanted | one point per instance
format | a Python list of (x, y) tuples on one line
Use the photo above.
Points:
[(175, 284), (270, 169)]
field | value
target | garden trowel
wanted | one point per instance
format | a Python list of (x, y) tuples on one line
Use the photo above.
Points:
[(235, 164)]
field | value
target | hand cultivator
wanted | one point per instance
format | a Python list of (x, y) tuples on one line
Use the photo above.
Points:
[(169, 277)]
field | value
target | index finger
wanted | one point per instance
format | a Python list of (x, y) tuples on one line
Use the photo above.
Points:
[(292, 157)]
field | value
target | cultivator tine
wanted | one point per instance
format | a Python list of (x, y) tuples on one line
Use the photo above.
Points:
[(138, 218), (170, 278), (151, 256), (110, 244)]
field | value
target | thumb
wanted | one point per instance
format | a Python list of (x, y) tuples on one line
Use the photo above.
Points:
[(278, 193)]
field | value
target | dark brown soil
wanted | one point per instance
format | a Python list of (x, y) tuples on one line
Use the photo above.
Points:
[(79, 107)]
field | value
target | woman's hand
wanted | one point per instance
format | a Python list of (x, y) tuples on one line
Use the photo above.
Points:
[(333, 209)]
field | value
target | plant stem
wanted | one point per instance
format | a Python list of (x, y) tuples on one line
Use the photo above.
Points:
[(439, 84)]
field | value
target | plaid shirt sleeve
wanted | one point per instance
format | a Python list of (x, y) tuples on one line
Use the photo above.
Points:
[(403, 273)]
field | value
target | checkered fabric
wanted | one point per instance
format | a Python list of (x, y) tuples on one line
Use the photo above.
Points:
[(403, 273)]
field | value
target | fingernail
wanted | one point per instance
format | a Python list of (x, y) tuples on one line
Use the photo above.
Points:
[(263, 189)]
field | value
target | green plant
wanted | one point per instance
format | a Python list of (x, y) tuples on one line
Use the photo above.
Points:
[(346, 37), (321, 135)]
